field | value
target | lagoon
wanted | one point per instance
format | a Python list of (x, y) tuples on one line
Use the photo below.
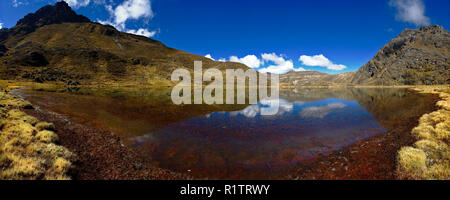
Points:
[(236, 141)]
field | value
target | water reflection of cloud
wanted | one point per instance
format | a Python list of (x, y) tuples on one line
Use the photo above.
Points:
[(252, 111), (320, 111)]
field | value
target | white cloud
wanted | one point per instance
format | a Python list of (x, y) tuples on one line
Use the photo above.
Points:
[(77, 3), (106, 22), (17, 3), (110, 9), (143, 32), (321, 61), (209, 56), (1, 25), (411, 11), (281, 65), (250, 60), (130, 9)]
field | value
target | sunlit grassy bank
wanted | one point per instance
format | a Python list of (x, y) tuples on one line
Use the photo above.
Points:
[(27, 146), (429, 158)]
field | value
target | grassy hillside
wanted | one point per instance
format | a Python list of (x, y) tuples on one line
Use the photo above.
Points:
[(87, 53), (313, 78)]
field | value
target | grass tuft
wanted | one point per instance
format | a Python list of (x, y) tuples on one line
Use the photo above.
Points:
[(27, 148), (412, 162), (45, 126), (47, 136), (430, 157), (436, 151)]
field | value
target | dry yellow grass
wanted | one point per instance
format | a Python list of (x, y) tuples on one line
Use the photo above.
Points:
[(45, 126), (412, 162), (47, 136), (27, 148), (429, 159)]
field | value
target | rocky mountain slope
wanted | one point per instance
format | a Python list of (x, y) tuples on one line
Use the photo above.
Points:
[(415, 57), (56, 44)]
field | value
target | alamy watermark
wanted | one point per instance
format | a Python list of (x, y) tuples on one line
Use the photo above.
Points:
[(236, 83)]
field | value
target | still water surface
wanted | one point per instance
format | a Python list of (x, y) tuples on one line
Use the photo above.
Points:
[(236, 141)]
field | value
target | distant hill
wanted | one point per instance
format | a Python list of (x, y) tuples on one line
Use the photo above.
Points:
[(313, 78), (56, 44)]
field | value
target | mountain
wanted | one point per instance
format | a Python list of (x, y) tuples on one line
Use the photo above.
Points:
[(313, 78), (56, 44), (57, 14), (416, 57)]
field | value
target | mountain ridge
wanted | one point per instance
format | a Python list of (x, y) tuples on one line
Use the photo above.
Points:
[(416, 57), (56, 44), (57, 14), (43, 47)]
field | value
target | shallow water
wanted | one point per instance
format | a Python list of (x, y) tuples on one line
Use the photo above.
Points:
[(236, 141)]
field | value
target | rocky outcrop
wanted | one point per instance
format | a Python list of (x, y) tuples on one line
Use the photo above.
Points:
[(415, 57), (57, 14)]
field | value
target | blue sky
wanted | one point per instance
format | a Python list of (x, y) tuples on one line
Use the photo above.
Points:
[(269, 35)]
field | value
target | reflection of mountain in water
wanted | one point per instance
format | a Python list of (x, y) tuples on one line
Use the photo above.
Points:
[(388, 105), (311, 122), (246, 144)]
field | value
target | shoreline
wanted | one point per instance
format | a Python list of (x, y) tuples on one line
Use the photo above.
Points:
[(374, 158), (429, 157), (412, 153), (102, 156)]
